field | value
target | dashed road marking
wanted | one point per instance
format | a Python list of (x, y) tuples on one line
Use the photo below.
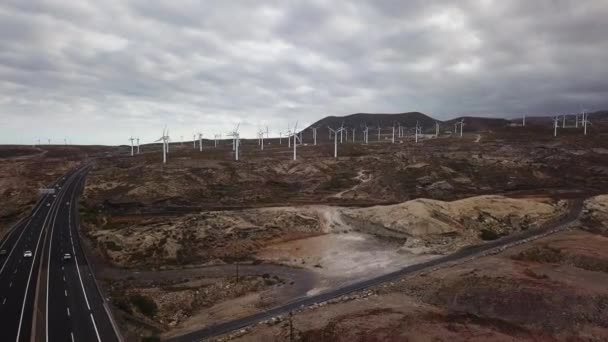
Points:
[(68, 312), (72, 336), (3, 301), (65, 292), (11, 284)]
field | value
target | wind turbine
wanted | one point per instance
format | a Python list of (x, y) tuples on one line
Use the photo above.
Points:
[(49, 140), (418, 130), (215, 139), (436, 129), (194, 141), (523, 121), (295, 141), (200, 142), (461, 124), (354, 130), (379, 129), (314, 135), (341, 130), (131, 139), (165, 139), (236, 141), (137, 145), (585, 122), (366, 134), (335, 132), (393, 139), (555, 125)]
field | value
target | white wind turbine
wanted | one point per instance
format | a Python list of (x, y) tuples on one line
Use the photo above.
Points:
[(194, 141), (564, 121), (366, 134), (523, 121), (461, 124), (200, 142), (236, 141), (436, 129), (335, 132), (314, 135), (341, 130), (418, 130), (131, 139), (354, 130), (288, 136), (215, 137), (555, 125), (295, 141), (165, 140), (393, 139), (379, 130), (137, 145), (585, 122)]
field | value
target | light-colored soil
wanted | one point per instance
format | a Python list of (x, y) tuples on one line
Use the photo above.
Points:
[(520, 294)]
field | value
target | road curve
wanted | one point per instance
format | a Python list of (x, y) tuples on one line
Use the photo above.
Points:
[(223, 328)]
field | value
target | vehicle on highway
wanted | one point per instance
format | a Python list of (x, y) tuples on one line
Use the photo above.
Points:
[(27, 254), (48, 204), (3, 252), (67, 256)]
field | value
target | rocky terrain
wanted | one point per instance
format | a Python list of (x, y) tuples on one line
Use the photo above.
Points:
[(550, 289), (296, 228), (24, 169)]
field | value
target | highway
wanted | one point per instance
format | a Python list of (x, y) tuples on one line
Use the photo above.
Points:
[(44, 298), (226, 327)]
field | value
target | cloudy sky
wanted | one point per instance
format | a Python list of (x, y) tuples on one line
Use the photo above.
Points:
[(100, 71)]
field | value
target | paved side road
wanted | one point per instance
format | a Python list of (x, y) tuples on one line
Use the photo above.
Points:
[(223, 328), (44, 298)]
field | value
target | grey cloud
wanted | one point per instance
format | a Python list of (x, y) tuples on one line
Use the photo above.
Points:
[(98, 71)]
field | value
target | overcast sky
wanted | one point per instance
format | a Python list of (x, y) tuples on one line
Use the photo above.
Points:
[(100, 71)]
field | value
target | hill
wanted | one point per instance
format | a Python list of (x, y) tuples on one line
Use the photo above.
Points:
[(374, 120)]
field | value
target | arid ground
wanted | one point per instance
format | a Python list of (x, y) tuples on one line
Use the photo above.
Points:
[(204, 239)]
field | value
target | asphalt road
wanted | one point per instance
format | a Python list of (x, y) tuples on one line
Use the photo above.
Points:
[(44, 298), (222, 328)]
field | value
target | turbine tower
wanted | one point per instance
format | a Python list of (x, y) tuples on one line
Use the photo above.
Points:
[(295, 141), (335, 132), (314, 135), (165, 139), (137, 145), (131, 139), (436, 129), (236, 141), (555, 125), (200, 142)]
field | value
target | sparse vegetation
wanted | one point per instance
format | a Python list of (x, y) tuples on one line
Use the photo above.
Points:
[(488, 235), (144, 304)]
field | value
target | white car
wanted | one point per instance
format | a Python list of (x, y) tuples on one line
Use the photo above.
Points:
[(67, 256), (48, 204), (27, 254)]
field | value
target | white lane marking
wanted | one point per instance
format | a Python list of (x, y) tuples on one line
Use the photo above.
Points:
[(68, 313), (72, 336), (62, 268), (3, 301), (95, 327), (63, 278), (29, 279), (48, 267), (11, 284), (12, 229), (15, 271), (65, 292), (76, 262), (19, 238)]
